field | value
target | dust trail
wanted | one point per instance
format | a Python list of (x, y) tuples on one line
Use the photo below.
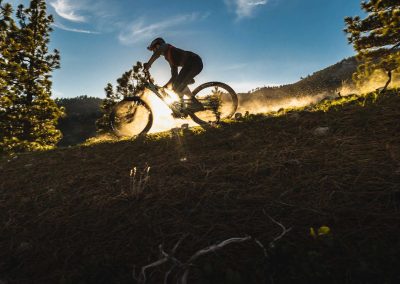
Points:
[(376, 81), (259, 105), (264, 105)]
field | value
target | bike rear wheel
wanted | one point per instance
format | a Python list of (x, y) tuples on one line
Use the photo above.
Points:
[(219, 100), (131, 117)]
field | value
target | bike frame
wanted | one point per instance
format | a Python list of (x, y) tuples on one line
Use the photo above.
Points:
[(174, 105), (178, 105)]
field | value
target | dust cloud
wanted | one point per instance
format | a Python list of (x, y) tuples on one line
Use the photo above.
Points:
[(264, 105), (376, 81)]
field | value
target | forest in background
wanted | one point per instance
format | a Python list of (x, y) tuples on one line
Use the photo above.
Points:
[(79, 122)]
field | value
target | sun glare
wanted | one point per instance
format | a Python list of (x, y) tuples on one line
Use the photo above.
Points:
[(173, 97), (162, 114)]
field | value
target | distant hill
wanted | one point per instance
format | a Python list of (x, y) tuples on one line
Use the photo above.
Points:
[(79, 123), (327, 83), (327, 80)]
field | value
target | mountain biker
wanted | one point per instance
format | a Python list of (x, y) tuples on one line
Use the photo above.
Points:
[(190, 62)]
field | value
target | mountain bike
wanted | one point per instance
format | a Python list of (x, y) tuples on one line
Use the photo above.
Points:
[(133, 115)]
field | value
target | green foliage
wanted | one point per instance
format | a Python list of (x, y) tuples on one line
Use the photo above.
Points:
[(129, 84), (28, 116), (376, 38)]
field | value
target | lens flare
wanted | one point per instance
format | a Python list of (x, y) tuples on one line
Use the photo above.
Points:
[(162, 114), (172, 96)]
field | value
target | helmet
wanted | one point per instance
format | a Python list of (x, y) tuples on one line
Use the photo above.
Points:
[(154, 43)]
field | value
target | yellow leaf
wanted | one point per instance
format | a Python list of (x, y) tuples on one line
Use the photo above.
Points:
[(323, 230), (312, 233)]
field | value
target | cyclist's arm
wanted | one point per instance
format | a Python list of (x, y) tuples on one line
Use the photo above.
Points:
[(157, 54)]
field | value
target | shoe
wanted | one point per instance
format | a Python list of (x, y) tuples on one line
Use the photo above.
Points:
[(178, 111)]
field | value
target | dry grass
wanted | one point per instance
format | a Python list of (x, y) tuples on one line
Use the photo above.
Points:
[(64, 220)]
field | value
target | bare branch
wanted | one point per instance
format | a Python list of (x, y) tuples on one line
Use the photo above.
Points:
[(207, 250), (218, 246), (284, 231), (262, 247), (183, 268), (165, 258), (159, 262)]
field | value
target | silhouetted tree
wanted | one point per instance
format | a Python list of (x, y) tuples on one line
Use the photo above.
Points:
[(129, 84), (103, 123), (376, 38), (28, 115)]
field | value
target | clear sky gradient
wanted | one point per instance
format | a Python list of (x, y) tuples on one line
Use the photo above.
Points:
[(245, 43)]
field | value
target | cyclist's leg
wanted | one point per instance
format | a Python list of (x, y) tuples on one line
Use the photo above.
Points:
[(193, 67)]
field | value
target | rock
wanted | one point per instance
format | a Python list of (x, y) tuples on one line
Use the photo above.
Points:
[(238, 115), (237, 136), (321, 131)]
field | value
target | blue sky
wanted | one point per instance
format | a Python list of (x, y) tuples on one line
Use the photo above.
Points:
[(245, 43)]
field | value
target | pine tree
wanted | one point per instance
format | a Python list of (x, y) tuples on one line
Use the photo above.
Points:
[(28, 115), (131, 83), (376, 38), (7, 52), (103, 123)]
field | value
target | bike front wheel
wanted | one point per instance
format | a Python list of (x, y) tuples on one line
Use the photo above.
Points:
[(219, 100), (131, 117)]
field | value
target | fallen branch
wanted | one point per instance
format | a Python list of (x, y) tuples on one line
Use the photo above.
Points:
[(183, 268), (284, 232), (165, 258), (207, 250)]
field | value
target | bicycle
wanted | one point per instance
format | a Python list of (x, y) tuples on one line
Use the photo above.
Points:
[(133, 116)]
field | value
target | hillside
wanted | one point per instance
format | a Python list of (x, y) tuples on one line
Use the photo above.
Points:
[(328, 80), (82, 215)]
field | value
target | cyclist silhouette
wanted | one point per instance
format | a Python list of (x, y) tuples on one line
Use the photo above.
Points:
[(190, 62)]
